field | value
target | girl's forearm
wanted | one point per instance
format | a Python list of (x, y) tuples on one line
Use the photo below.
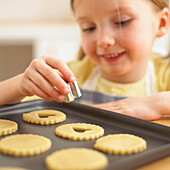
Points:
[(9, 91)]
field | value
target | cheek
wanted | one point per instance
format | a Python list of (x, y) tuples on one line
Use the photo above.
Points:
[(131, 40), (136, 42), (88, 46)]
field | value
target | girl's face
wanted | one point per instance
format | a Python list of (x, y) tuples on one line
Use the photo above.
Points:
[(117, 35)]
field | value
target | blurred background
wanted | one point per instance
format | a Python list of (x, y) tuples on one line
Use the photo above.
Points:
[(32, 28)]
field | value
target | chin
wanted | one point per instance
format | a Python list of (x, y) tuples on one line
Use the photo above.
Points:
[(116, 72)]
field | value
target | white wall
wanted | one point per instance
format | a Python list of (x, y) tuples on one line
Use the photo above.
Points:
[(47, 24), (162, 45), (35, 10)]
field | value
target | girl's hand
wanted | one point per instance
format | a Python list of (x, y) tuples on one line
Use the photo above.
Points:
[(147, 108), (41, 78)]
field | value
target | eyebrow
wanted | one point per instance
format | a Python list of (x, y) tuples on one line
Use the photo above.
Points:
[(116, 10)]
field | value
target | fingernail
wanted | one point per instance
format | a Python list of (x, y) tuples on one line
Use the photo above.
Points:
[(72, 78), (51, 98), (66, 90), (61, 98)]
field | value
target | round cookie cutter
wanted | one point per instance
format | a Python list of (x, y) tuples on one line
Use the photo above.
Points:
[(74, 92)]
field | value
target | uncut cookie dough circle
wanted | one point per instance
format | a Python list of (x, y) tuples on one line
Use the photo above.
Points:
[(11, 168), (44, 117), (24, 145), (76, 158), (121, 144), (7, 127), (71, 131)]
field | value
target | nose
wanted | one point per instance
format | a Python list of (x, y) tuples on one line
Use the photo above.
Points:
[(105, 39)]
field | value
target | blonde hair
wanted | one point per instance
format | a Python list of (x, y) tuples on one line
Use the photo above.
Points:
[(159, 3)]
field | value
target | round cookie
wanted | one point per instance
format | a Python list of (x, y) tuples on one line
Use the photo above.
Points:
[(7, 127), (44, 117), (72, 131), (76, 158), (121, 144), (11, 168), (24, 145)]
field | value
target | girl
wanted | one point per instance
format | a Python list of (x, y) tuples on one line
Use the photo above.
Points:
[(117, 37)]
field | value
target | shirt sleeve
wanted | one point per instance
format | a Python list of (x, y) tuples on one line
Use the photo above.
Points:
[(162, 73), (81, 69)]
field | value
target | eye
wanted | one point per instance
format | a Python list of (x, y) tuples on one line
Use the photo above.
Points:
[(124, 22), (88, 29)]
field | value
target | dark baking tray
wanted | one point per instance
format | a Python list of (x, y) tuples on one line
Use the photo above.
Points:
[(157, 136)]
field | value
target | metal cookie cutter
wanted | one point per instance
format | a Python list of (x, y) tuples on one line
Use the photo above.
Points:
[(74, 92)]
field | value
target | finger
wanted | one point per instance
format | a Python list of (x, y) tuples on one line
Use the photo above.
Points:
[(44, 85), (61, 66), (33, 89), (52, 76), (36, 90)]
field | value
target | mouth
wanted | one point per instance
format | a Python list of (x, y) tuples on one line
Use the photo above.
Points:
[(113, 57)]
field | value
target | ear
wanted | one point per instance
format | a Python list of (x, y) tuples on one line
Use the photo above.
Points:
[(164, 21)]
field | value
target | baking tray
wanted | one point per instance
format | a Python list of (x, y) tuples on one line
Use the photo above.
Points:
[(157, 136)]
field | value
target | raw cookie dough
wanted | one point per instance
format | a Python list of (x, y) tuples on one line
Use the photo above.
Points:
[(76, 158), (7, 127), (72, 131), (24, 145), (11, 168), (121, 144), (44, 117)]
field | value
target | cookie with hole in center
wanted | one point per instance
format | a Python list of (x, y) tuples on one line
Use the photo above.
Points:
[(79, 131), (44, 117)]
